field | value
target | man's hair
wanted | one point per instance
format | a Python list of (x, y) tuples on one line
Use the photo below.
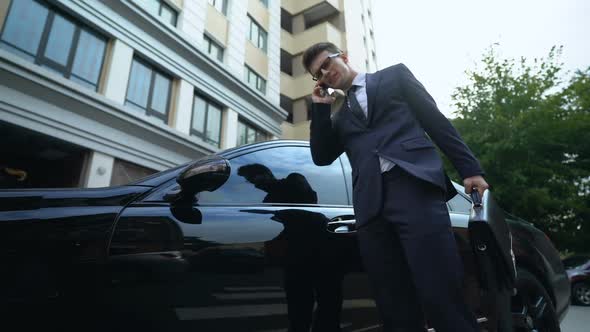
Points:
[(315, 49), (254, 169)]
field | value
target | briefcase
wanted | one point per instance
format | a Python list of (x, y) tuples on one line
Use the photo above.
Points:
[(491, 243)]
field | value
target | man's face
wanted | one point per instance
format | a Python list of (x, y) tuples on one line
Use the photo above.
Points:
[(331, 70)]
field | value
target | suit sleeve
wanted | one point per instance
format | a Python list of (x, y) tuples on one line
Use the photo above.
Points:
[(437, 126), (324, 141)]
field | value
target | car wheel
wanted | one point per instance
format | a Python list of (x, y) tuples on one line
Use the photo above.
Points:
[(581, 293), (532, 308)]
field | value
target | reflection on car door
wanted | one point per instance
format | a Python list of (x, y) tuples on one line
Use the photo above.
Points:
[(255, 256)]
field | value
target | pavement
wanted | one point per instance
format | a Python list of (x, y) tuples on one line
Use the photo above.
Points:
[(576, 320)]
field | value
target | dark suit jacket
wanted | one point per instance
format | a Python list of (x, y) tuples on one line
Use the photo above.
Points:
[(400, 114)]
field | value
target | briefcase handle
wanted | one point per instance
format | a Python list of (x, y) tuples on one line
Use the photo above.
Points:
[(475, 197)]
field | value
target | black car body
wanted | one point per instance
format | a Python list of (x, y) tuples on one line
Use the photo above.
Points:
[(578, 271), (246, 256)]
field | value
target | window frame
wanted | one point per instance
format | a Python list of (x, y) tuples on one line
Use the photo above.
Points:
[(256, 130), (170, 8), (43, 61), (257, 79), (203, 135), (154, 70), (212, 43), (347, 203), (162, 189), (258, 36), (163, 4), (224, 6)]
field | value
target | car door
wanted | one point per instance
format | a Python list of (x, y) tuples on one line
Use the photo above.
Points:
[(254, 255), (483, 304)]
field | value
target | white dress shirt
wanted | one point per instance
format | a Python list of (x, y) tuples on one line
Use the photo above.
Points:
[(361, 95)]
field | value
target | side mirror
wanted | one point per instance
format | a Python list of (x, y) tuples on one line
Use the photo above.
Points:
[(203, 175)]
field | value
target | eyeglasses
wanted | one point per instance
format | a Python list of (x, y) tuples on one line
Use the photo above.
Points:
[(324, 67)]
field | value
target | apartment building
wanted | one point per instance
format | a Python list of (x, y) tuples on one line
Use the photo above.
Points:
[(101, 92), (346, 23)]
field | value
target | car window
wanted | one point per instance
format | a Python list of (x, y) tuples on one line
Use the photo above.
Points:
[(459, 204), (280, 175)]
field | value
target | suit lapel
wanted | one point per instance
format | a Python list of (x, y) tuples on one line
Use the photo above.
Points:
[(371, 88)]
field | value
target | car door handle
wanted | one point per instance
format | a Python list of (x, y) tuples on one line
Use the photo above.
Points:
[(342, 226)]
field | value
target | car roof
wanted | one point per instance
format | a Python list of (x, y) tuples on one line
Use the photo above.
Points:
[(164, 176)]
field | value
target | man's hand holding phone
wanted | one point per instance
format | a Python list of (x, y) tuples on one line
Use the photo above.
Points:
[(320, 94)]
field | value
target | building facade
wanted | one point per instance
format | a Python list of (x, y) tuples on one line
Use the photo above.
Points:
[(96, 93), (346, 23)]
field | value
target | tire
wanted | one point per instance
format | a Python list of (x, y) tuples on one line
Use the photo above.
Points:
[(581, 293), (532, 307)]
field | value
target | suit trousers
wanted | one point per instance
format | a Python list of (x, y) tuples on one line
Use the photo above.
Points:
[(411, 257)]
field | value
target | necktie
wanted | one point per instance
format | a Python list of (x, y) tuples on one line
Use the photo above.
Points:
[(353, 104)]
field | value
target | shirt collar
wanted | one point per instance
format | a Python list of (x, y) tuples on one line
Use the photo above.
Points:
[(359, 80)]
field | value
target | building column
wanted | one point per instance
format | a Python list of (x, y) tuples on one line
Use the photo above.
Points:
[(192, 20), (229, 129), (99, 169), (235, 53), (298, 24), (118, 70), (183, 107)]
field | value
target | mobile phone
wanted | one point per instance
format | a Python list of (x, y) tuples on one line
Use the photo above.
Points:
[(324, 90)]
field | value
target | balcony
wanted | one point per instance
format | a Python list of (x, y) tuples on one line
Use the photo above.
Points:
[(260, 13), (296, 44), (256, 59), (295, 131), (296, 87), (217, 25), (318, 8)]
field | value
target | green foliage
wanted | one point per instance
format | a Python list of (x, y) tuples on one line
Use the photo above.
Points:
[(531, 133)]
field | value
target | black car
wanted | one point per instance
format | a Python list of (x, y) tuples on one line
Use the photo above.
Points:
[(254, 238), (578, 270)]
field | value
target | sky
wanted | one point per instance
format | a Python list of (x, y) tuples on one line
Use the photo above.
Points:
[(440, 39)]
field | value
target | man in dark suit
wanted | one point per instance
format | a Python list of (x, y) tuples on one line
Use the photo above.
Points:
[(386, 126)]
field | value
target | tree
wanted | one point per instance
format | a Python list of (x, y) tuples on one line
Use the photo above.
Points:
[(531, 133)]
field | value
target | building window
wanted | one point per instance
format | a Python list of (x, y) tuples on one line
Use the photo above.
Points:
[(125, 172), (286, 62), (257, 35), (149, 90), (39, 33), (249, 134), (162, 9), (264, 3), (214, 49), (206, 120), (286, 103), (220, 5), (286, 21), (255, 81)]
